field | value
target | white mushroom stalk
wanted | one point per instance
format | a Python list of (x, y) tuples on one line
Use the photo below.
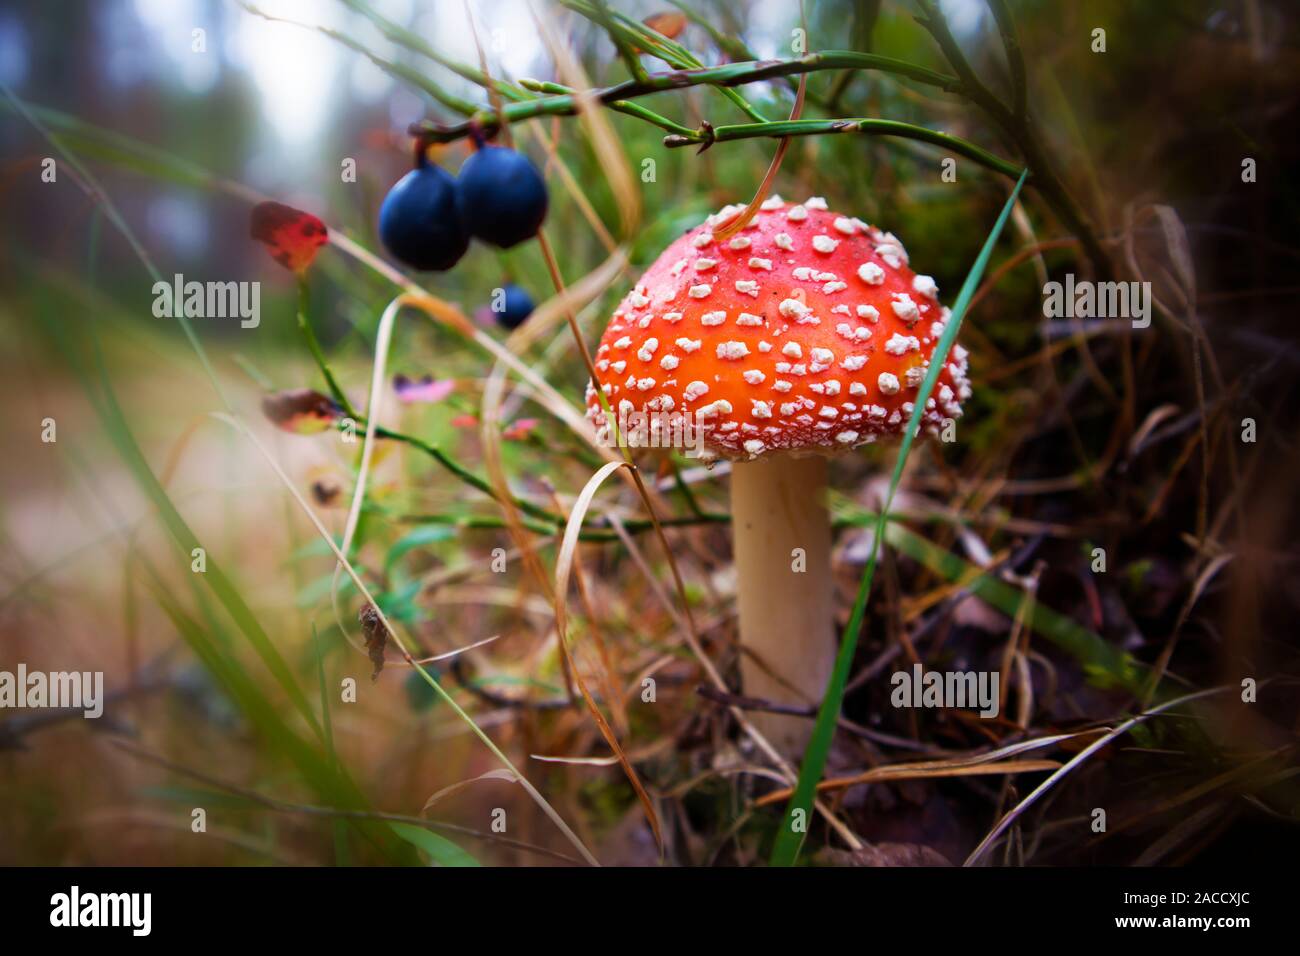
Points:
[(781, 534)]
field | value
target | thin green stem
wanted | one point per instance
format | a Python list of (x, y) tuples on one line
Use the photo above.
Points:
[(1015, 59), (879, 127), (313, 345), (632, 526), (465, 475), (727, 75), (620, 106)]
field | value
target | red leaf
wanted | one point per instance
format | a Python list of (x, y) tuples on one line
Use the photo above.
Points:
[(293, 236)]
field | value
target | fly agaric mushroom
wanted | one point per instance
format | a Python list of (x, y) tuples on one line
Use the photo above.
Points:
[(803, 336)]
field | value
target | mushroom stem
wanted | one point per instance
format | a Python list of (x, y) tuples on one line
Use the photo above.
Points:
[(782, 543)]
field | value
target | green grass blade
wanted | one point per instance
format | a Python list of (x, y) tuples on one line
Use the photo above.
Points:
[(342, 857), (440, 849), (789, 841)]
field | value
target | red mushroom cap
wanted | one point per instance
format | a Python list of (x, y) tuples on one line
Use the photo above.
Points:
[(804, 332)]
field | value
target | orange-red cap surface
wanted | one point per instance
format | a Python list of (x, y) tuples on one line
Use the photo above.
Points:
[(806, 331)]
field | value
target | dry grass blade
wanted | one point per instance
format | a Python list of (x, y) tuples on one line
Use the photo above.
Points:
[(917, 771), (456, 652), (490, 437), (1203, 580), (563, 567), (498, 774), (992, 757), (555, 311), (577, 761), (1189, 828), (1078, 760), (1153, 420), (663, 745), (383, 338)]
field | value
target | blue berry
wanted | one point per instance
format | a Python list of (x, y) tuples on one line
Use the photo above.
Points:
[(418, 222), (501, 196), (513, 307)]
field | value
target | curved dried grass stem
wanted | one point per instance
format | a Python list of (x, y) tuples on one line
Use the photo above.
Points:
[(565, 564)]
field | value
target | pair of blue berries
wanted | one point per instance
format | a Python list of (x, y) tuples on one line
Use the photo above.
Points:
[(428, 218)]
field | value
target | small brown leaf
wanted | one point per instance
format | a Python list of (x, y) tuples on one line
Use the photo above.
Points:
[(376, 635), (325, 491), (301, 411)]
